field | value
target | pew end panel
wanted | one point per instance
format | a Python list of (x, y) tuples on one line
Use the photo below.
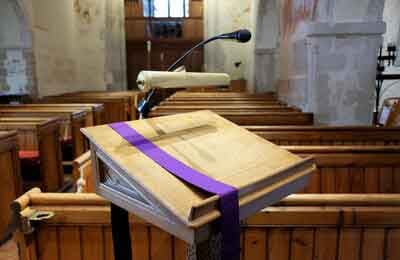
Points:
[(10, 178), (41, 135), (83, 174)]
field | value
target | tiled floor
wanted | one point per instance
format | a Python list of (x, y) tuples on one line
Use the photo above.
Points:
[(9, 251)]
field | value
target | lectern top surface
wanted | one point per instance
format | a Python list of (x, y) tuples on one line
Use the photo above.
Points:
[(206, 142)]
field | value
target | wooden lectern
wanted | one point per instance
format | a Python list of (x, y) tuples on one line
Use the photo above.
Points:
[(130, 178)]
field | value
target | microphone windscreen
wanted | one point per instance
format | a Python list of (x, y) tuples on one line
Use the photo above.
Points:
[(243, 35), (160, 79)]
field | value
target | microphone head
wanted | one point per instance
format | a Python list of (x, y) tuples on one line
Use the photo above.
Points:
[(243, 35)]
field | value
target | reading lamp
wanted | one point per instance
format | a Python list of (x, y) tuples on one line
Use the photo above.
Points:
[(190, 79)]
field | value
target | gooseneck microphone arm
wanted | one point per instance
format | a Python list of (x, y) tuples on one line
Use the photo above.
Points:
[(176, 63), (240, 36)]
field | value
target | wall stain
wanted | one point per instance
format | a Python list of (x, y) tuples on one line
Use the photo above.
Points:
[(293, 13), (87, 10)]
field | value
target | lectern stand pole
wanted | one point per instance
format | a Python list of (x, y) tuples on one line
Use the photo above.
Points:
[(208, 250), (121, 233)]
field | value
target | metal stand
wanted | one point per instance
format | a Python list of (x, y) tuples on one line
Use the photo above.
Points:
[(381, 77), (121, 233), (207, 250)]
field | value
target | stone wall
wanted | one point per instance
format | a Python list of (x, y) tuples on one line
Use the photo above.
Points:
[(328, 55), (259, 58), (222, 17), (70, 45), (17, 71), (77, 45), (17, 65), (263, 71), (115, 45)]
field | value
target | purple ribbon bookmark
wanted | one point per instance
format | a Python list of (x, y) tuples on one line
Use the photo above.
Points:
[(229, 199)]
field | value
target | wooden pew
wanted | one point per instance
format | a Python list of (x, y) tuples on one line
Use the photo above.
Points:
[(340, 169), (242, 108), (222, 94), (42, 135), (95, 112), (116, 109), (10, 178), (341, 227), (236, 86), (223, 103), (134, 98), (258, 118), (328, 135), (82, 173), (221, 98), (72, 121), (353, 169), (97, 109)]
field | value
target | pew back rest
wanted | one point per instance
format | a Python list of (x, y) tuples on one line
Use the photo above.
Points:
[(95, 112), (168, 108), (314, 135), (336, 226), (352, 169), (340, 169), (131, 98), (256, 118), (30, 129), (115, 108)]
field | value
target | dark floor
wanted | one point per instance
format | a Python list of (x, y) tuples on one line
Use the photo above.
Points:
[(9, 251)]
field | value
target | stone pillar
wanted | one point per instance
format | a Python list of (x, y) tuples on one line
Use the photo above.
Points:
[(115, 49), (264, 67), (328, 51)]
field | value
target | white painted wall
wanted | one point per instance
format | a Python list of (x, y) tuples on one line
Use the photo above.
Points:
[(115, 67), (259, 57), (221, 17), (70, 45)]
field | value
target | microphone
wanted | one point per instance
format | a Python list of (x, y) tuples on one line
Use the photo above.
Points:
[(242, 36)]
